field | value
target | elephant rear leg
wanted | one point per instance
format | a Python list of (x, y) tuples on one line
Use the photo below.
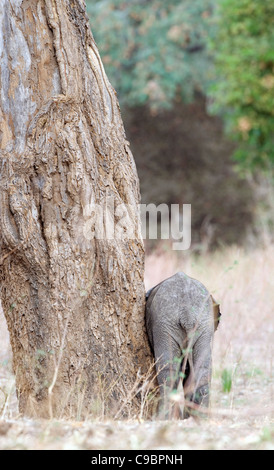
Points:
[(168, 366), (197, 386)]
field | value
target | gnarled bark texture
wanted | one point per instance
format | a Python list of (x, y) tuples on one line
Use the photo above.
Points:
[(73, 300)]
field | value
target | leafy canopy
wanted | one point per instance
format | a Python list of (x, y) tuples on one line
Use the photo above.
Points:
[(244, 90), (156, 51), (153, 51)]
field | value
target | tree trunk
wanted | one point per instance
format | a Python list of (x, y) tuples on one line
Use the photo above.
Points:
[(72, 293)]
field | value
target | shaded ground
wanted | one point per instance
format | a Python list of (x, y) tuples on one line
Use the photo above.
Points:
[(242, 386)]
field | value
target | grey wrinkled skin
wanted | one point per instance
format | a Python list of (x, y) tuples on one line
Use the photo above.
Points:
[(181, 317)]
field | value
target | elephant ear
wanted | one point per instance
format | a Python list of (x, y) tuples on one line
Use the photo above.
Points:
[(216, 312)]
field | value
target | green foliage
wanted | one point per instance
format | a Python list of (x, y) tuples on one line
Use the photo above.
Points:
[(156, 52), (226, 381), (153, 51), (244, 92)]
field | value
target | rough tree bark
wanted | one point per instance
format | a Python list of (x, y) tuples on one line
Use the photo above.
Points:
[(73, 300)]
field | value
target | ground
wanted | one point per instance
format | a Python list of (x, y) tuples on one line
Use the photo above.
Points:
[(241, 413)]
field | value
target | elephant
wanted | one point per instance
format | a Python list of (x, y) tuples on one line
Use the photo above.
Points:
[(181, 317)]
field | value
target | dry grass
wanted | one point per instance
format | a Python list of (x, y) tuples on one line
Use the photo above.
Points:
[(242, 386)]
